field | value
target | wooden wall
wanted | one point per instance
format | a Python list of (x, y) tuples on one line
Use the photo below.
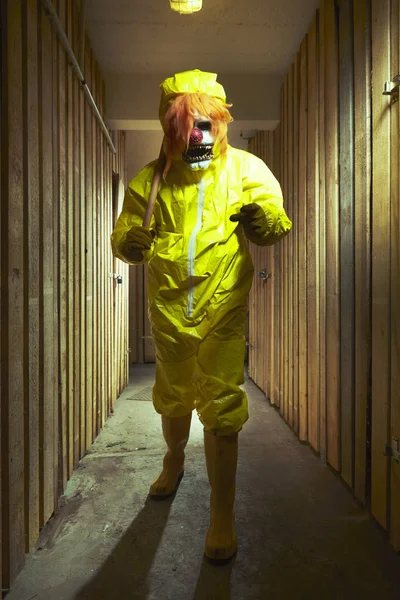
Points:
[(63, 361), (327, 349), (142, 348)]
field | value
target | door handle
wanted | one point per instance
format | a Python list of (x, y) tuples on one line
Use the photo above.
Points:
[(392, 87), (116, 276), (265, 275)]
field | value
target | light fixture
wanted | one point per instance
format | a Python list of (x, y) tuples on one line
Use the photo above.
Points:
[(186, 7)]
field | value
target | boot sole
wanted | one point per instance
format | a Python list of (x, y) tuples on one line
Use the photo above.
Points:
[(220, 562)]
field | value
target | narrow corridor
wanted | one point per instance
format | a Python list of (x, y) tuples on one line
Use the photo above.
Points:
[(300, 533)]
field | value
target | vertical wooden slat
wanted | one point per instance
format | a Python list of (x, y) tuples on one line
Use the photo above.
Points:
[(77, 276), (83, 246), (48, 396), (261, 297), (108, 199), (70, 251), (257, 283), (118, 287), (141, 279), (250, 306), (133, 337), (56, 266), (101, 280), (362, 218), (332, 236), (148, 342), (89, 252), (126, 273), (264, 288), (290, 262), (116, 193), (12, 419), (285, 262), (380, 258), (95, 262), (63, 265), (302, 243), (32, 210), (313, 239), (395, 281), (269, 304), (294, 233), (271, 292), (277, 287), (122, 271), (3, 274), (281, 270), (322, 237), (107, 282), (347, 266), (118, 312), (261, 289), (104, 255)]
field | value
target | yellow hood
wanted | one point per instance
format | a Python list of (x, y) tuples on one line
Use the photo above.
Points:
[(189, 82)]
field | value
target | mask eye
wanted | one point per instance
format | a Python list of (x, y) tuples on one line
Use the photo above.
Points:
[(204, 125)]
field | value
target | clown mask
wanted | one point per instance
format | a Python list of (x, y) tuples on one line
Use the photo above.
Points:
[(199, 152), (194, 117)]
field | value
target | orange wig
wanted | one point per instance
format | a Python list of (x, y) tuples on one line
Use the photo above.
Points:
[(179, 120)]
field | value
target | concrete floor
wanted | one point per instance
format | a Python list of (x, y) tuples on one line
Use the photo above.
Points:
[(301, 535)]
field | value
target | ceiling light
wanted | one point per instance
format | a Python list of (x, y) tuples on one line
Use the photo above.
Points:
[(186, 7)]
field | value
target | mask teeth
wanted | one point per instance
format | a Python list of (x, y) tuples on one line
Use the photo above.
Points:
[(208, 155), (195, 159)]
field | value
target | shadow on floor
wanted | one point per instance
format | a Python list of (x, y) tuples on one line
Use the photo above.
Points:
[(126, 570), (214, 582)]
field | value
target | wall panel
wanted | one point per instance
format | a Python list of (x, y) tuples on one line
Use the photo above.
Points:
[(332, 327), (347, 264), (362, 218), (57, 388), (381, 137), (336, 276), (302, 243), (312, 244), (395, 285)]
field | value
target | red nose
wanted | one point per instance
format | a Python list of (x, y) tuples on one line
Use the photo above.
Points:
[(196, 136)]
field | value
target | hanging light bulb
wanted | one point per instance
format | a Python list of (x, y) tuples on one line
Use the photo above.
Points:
[(186, 7)]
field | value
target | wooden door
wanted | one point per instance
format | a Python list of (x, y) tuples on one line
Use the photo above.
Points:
[(120, 277), (263, 308)]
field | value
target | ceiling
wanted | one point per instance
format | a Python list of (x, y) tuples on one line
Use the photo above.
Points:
[(226, 36)]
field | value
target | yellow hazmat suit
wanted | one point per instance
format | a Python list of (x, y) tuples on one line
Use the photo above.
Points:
[(200, 270), (200, 274)]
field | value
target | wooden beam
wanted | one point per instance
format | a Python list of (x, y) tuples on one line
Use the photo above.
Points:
[(362, 219), (381, 328), (332, 236)]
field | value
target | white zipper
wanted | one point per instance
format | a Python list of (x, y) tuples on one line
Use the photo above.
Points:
[(192, 243)]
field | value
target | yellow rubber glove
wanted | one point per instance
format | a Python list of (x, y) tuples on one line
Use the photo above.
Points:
[(262, 226), (254, 221), (137, 238)]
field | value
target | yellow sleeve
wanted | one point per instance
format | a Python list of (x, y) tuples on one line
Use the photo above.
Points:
[(133, 210), (261, 187)]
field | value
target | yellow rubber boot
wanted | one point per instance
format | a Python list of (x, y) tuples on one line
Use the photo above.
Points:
[(176, 434), (221, 458)]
